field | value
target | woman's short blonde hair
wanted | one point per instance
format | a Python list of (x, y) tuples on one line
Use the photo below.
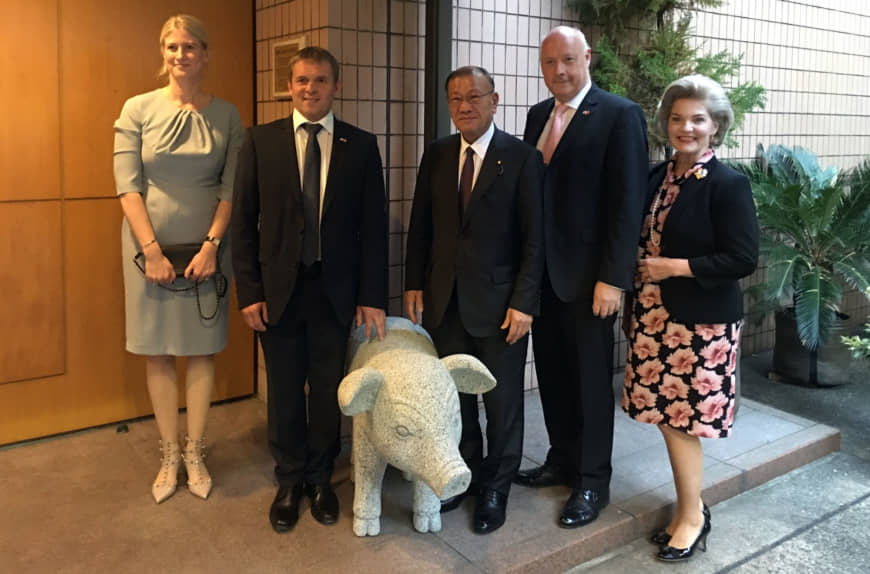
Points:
[(702, 89), (190, 24)]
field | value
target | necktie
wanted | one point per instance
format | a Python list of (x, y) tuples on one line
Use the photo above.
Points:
[(311, 195), (465, 181), (556, 130)]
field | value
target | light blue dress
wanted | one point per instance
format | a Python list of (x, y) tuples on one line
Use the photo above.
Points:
[(183, 163)]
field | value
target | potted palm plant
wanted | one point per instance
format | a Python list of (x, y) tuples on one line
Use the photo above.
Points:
[(815, 242), (860, 346)]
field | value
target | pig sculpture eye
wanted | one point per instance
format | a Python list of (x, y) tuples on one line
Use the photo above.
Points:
[(403, 432)]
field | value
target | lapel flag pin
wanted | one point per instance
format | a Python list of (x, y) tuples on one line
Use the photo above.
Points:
[(585, 112), (343, 140)]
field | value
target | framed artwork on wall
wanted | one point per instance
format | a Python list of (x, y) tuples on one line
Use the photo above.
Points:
[(282, 51)]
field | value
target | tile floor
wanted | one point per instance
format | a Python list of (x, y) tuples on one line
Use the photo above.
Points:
[(81, 503)]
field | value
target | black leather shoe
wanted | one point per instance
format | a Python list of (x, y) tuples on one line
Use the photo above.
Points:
[(547, 474), (583, 507), (489, 514), (284, 512), (454, 502), (661, 537), (670, 554), (324, 503)]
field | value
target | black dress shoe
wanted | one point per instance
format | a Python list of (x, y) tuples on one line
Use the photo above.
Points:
[(661, 537), (454, 502), (324, 503), (489, 514), (670, 554), (284, 512), (583, 507), (547, 474)]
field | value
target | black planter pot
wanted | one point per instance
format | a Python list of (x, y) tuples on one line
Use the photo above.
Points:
[(826, 366)]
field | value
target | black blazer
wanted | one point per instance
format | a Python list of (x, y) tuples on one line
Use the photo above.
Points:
[(593, 193), (713, 225), (267, 222), (495, 257)]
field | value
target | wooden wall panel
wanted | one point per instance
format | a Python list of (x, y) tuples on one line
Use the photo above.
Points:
[(102, 382), (108, 53), (98, 44), (29, 158), (31, 323), (227, 30)]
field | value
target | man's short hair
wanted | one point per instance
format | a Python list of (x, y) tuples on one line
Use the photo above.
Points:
[(469, 71), (315, 54)]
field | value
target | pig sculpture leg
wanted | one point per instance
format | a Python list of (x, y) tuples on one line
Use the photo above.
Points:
[(368, 473), (427, 508)]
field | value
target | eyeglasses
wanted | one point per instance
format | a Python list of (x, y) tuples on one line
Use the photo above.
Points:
[(473, 99)]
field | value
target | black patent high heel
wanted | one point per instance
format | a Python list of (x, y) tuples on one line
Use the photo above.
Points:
[(670, 554), (661, 537)]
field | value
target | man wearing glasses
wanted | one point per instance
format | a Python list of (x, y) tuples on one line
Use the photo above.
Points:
[(474, 263)]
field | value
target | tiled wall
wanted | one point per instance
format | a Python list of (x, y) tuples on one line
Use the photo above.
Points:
[(279, 20), (812, 56), (380, 46), (503, 36)]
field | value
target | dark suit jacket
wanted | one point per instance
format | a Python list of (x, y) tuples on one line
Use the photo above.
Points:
[(593, 193), (267, 223), (713, 225), (495, 257)]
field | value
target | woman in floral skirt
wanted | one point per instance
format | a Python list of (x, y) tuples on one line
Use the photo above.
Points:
[(700, 236)]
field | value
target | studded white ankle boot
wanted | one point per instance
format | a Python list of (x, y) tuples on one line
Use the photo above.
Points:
[(167, 479), (198, 479)]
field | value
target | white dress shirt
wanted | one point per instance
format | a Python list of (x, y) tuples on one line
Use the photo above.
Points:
[(479, 146)]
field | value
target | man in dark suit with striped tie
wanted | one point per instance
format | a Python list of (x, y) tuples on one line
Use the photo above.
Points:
[(309, 241), (473, 268)]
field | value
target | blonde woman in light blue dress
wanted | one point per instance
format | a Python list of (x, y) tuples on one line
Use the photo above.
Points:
[(174, 162)]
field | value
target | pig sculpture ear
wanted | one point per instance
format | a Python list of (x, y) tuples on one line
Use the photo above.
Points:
[(358, 390), (471, 376)]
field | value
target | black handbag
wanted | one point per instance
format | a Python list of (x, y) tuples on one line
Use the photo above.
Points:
[(180, 256)]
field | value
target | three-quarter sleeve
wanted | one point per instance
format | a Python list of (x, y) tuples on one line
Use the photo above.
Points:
[(234, 144), (128, 150)]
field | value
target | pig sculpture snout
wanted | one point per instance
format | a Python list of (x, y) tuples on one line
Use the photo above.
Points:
[(453, 479)]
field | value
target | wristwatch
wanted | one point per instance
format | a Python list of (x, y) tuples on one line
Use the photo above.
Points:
[(216, 241)]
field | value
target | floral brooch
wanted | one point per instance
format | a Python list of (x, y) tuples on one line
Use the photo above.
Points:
[(701, 173)]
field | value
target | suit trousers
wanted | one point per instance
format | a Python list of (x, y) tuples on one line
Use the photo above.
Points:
[(308, 342), (503, 404), (574, 363)]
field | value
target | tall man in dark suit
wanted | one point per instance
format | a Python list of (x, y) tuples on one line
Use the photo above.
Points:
[(474, 261), (594, 145), (309, 233)]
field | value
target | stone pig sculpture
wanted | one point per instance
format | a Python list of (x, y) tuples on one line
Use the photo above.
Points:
[(405, 406)]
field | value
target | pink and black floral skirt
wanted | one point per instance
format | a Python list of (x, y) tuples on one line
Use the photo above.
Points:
[(680, 375)]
